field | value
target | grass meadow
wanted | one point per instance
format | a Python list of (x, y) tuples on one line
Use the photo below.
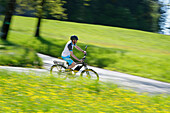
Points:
[(125, 50), (20, 92), (130, 51)]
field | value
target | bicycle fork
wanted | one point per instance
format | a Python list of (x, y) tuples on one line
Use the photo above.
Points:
[(87, 72)]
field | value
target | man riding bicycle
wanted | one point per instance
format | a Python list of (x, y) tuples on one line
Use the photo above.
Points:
[(68, 50)]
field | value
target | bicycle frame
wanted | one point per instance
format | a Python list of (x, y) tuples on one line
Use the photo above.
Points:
[(78, 68)]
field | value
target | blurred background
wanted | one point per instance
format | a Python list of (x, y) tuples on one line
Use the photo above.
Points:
[(2, 12), (126, 36), (165, 17), (146, 15), (132, 35)]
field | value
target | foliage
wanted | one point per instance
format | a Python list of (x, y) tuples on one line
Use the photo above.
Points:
[(136, 14), (18, 56), (124, 50), (50, 7), (3, 4), (21, 92)]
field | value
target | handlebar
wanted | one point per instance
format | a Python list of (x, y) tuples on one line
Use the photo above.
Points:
[(86, 47), (85, 50), (84, 54)]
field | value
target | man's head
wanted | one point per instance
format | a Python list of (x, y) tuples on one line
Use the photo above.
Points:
[(74, 39)]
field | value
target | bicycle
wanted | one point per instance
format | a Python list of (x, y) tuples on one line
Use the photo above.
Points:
[(60, 68)]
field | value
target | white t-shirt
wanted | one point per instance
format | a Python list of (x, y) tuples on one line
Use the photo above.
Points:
[(69, 47)]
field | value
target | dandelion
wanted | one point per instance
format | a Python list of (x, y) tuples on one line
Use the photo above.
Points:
[(29, 93), (100, 112), (2, 101), (7, 108), (53, 93), (34, 97)]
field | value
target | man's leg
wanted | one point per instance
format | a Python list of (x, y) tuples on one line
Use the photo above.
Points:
[(72, 65), (70, 62)]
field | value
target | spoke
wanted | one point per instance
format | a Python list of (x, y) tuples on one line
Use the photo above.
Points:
[(89, 73)]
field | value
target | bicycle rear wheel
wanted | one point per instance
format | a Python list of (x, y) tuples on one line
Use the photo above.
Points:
[(89, 73), (59, 71)]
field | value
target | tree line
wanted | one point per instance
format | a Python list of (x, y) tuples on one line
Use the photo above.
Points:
[(134, 14)]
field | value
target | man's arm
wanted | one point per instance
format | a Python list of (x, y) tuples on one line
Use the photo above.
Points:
[(78, 48)]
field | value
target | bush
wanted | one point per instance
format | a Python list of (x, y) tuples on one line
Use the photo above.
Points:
[(18, 56)]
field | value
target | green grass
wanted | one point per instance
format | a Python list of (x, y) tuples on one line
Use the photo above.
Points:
[(18, 56), (21, 92), (130, 51)]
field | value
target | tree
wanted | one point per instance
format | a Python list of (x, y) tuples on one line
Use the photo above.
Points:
[(8, 16), (37, 33), (136, 14), (41, 9)]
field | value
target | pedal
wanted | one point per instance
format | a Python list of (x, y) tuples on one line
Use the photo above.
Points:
[(75, 71), (68, 70)]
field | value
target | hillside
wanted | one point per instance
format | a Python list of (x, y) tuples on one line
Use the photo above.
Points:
[(130, 51)]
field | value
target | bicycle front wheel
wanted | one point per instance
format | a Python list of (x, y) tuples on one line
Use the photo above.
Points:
[(89, 73)]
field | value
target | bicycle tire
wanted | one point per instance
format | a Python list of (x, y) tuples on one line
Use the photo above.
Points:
[(90, 74), (58, 70)]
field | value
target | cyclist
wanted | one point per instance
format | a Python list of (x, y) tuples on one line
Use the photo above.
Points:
[(68, 50)]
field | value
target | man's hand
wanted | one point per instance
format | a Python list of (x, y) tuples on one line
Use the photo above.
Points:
[(81, 60), (84, 52)]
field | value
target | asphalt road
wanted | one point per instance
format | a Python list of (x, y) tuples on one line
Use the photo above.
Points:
[(126, 81)]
